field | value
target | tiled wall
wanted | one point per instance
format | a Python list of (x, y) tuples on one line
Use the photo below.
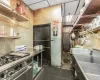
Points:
[(6, 45), (26, 34)]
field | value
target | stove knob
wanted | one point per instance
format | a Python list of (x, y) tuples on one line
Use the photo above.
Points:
[(2, 75), (10, 73), (20, 65)]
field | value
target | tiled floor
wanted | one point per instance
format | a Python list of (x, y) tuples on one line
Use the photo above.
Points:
[(66, 61), (51, 73), (63, 73)]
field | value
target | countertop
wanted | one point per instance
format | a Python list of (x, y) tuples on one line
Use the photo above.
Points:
[(32, 53), (89, 65)]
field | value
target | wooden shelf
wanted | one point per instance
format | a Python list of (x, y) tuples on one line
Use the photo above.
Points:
[(7, 11), (10, 37)]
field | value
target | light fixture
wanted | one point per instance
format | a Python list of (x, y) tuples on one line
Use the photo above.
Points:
[(69, 17), (73, 36)]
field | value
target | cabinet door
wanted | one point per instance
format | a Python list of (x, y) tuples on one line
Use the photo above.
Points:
[(26, 75)]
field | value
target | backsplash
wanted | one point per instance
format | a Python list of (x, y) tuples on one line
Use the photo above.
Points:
[(6, 45)]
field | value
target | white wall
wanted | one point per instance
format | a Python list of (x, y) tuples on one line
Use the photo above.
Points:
[(56, 47)]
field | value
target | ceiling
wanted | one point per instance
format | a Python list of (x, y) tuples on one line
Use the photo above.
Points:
[(91, 12), (68, 6), (73, 8), (37, 4)]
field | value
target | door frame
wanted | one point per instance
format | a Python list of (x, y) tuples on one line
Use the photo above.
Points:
[(39, 25)]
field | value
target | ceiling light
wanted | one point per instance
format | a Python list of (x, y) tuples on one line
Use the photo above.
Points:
[(69, 18)]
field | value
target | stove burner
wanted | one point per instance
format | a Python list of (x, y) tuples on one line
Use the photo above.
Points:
[(7, 59)]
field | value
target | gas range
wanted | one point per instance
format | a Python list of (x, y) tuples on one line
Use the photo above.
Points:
[(8, 59), (14, 65), (12, 56)]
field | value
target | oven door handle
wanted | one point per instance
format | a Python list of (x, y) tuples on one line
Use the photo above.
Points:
[(29, 67), (22, 71)]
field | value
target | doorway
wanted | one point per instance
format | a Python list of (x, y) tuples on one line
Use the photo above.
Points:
[(66, 57), (66, 40), (42, 36)]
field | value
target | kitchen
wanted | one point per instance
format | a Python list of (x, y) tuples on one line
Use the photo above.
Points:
[(49, 39)]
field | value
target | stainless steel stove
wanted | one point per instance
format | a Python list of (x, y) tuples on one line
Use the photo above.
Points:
[(8, 59), (15, 67)]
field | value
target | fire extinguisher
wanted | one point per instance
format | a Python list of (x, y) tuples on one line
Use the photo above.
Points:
[(55, 31)]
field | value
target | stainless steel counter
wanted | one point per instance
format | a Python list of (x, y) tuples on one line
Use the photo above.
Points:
[(89, 65), (94, 58), (91, 68), (93, 77), (32, 53)]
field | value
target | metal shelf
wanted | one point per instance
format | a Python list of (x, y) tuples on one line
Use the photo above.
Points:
[(10, 37), (96, 29), (42, 40), (7, 11), (39, 68), (90, 12), (91, 31)]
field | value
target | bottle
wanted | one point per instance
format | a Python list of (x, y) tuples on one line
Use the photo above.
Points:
[(11, 32)]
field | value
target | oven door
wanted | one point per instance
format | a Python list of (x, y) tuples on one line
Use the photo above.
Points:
[(26, 75)]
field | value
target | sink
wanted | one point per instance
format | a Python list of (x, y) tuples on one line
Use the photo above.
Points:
[(93, 77), (91, 68), (89, 64), (88, 58), (96, 59), (85, 58)]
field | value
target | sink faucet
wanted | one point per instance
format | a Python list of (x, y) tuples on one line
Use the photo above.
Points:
[(91, 56), (91, 52)]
